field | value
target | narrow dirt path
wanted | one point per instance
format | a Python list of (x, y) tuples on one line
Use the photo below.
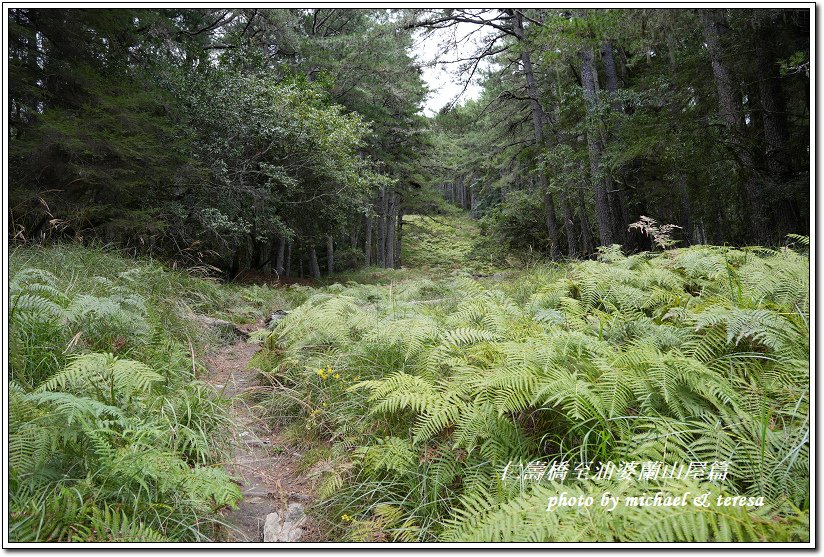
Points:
[(267, 467)]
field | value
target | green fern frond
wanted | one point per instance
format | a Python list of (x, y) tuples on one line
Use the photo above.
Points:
[(104, 375)]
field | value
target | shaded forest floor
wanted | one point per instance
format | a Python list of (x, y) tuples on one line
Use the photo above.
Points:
[(440, 243), (432, 247)]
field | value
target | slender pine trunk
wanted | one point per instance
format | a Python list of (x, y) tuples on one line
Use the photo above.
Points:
[(589, 80), (729, 108), (314, 268), (776, 136), (399, 238), (538, 118), (587, 245), (367, 250), (389, 256), (569, 229), (330, 255), (681, 179), (288, 268), (381, 216), (279, 267), (615, 193)]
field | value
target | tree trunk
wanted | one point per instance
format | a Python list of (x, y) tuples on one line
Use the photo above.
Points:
[(367, 251), (279, 268), (234, 270), (686, 208), (257, 252), (399, 237), (610, 75), (314, 268), (681, 179), (714, 28), (551, 225), (714, 21), (569, 228), (587, 246), (330, 255), (381, 216), (776, 136), (589, 80), (391, 211), (538, 118), (288, 269), (616, 194), (272, 261)]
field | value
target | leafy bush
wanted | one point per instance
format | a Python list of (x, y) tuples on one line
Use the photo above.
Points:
[(514, 227), (428, 390)]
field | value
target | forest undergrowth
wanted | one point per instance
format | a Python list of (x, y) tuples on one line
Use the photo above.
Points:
[(428, 391), (429, 400), (112, 436)]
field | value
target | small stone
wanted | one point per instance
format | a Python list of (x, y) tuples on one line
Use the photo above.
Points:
[(273, 319), (286, 528), (258, 442), (256, 491)]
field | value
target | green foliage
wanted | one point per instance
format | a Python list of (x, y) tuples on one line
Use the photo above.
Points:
[(111, 435), (651, 132), (185, 133), (509, 231), (442, 243), (428, 389), (289, 146)]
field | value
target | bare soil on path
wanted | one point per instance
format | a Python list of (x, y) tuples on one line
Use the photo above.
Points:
[(267, 466)]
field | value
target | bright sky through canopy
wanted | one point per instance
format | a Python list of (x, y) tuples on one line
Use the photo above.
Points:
[(439, 52)]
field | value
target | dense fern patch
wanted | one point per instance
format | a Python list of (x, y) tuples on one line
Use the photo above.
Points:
[(111, 435), (429, 389)]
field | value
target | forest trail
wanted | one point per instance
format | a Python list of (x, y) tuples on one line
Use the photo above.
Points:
[(268, 467), (438, 244)]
